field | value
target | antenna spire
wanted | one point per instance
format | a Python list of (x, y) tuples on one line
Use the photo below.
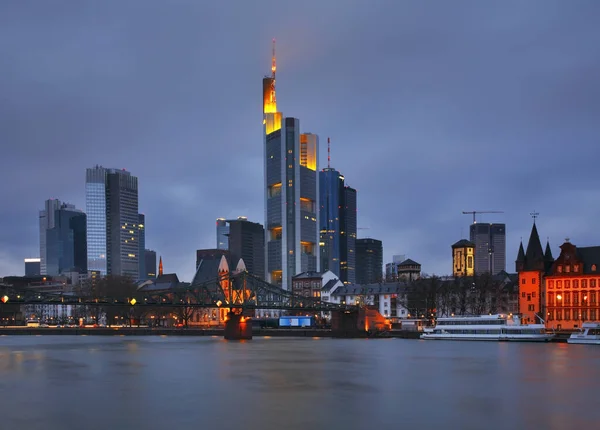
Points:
[(273, 62), (534, 215), (328, 153)]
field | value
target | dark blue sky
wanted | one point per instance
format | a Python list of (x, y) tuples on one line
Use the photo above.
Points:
[(432, 107)]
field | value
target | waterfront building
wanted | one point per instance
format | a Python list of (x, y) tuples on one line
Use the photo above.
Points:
[(150, 263), (532, 266), (63, 244), (291, 192), (369, 261), (463, 258), (337, 225), (32, 267), (387, 298), (490, 247), (113, 221), (572, 286)]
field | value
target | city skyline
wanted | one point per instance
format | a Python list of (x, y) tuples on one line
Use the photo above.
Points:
[(405, 122)]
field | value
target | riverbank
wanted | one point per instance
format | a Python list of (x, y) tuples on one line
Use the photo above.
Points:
[(145, 331)]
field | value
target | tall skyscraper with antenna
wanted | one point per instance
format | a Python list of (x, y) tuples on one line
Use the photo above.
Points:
[(291, 191)]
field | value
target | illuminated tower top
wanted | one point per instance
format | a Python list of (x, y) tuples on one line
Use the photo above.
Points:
[(269, 98)]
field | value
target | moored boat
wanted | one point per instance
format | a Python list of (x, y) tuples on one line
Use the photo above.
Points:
[(500, 327), (589, 334)]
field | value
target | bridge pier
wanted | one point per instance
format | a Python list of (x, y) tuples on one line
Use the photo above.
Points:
[(238, 327)]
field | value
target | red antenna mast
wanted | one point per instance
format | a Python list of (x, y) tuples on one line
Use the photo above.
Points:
[(328, 153)]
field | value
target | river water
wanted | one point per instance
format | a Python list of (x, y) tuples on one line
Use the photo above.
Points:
[(180, 383)]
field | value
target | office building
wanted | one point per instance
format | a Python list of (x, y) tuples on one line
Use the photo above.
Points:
[(211, 254), (32, 267), (247, 241), (222, 234), (150, 263), (46, 222), (337, 225), (490, 247), (113, 221), (63, 242), (369, 261), (291, 193), (142, 272)]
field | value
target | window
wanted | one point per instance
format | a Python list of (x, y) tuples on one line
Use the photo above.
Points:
[(523, 281), (575, 267), (551, 284), (593, 267), (551, 299), (558, 284), (558, 315), (567, 269), (567, 284), (567, 298), (533, 281), (584, 283), (550, 315), (531, 308), (528, 297), (559, 268), (592, 283), (523, 294), (575, 298), (593, 314), (593, 297), (470, 261), (567, 314), (575, 283)]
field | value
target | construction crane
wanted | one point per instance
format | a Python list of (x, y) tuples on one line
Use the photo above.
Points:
[(480, 212)]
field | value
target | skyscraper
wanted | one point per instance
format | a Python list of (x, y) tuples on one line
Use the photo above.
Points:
[(291, 193), (113, 221), (490, 247), (247, 241), (222, 234), (337, 225), (63, 242), (369, 261), (47, 221), (142, 272), (32, 267)]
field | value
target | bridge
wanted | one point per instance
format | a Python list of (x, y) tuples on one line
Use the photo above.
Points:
[(238, 294)]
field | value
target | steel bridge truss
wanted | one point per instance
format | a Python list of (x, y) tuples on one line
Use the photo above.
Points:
[(236, 291)]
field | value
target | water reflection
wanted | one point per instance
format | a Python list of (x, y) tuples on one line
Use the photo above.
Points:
[(154, 383)]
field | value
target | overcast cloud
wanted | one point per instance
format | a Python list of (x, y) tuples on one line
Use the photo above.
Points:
[(432, 107)]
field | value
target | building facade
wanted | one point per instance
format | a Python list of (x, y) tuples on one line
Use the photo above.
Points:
[(142, 272), (63, 242), (573, 287), (113, 222), (463, 258), (490, 247), (150, 263), (247, 242), (369, 261), (222, 234), (409, 270), (532, 266), (291, 193), (32, 267)]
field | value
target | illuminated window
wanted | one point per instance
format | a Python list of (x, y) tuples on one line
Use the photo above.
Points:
[(593, 267), (567, 268), (560, 268)]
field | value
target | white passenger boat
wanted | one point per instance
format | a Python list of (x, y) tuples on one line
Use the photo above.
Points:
[(589, 334), (488, 327)]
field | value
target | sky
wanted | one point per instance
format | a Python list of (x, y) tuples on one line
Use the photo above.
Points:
[(433, 108)]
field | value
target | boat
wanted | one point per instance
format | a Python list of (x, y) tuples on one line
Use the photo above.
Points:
[(499, 327), (589, 334)]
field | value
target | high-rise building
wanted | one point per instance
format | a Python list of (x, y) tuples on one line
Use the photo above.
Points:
[(63, 243), (32, 266), (490, 247), (247, 241), (47, 222), (113, 220), (150, 263), (369, 261), (391, 269), (142, 272), (291, 193), (222, 234), (337, 225)]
